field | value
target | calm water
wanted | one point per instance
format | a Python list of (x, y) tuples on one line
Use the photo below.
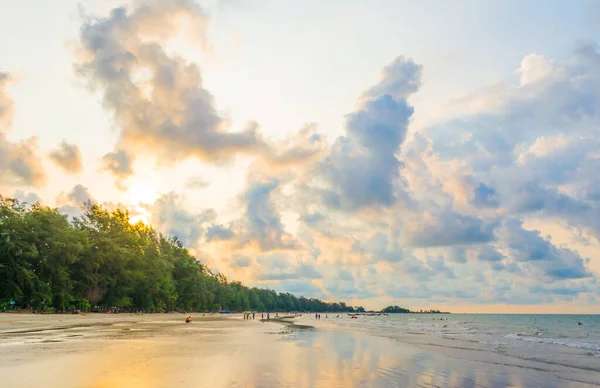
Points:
[(548, 338), (350, 359)]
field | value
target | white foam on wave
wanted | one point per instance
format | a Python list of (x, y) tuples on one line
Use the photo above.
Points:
[(553, 341)]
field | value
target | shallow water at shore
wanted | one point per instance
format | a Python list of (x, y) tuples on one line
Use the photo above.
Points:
[(553, 339), (162, 351)]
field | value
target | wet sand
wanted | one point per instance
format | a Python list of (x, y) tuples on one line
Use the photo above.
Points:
[(160, 350)]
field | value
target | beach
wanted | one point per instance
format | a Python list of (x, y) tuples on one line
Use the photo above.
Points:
[(161, 350)]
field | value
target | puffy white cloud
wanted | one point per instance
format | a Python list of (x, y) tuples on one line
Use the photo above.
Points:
[(158, 99)]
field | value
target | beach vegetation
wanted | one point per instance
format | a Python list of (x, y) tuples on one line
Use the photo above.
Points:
[(102, 261)]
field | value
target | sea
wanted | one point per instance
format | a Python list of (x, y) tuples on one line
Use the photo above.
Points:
[(554, 339)]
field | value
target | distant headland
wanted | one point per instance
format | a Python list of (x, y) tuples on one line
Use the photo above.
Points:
[(402, 310)]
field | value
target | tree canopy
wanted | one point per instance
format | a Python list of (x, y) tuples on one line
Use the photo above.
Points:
[(101, 260), (395, 309)]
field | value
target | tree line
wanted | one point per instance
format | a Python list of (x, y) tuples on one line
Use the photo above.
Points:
[(101, 260)]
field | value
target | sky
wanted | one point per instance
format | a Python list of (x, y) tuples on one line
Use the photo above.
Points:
[(427, 154)]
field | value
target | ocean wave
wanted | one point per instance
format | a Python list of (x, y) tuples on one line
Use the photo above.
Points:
[(553, 341)]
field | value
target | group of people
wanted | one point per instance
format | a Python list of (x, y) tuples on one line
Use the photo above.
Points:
[(247, 315), (318, 316)]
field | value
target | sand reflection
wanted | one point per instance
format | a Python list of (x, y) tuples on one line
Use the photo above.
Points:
[(161, 352)]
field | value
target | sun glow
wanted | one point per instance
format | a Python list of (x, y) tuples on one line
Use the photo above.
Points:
[(141, 192)]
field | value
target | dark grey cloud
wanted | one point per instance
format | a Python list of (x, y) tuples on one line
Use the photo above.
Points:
[(68, 157)]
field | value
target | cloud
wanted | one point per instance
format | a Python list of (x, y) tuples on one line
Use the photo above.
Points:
[(19, 162), (302, 147), (120, 165), (171, 216), (527, 246), (6, 103), (68, 157), (489, 254), (242, 261), (435, 213), (219, 232), (484, 196), (196, 182), (261, 223), (80, 195), (300, 287), (27, 197), (158, 99), (362, 169), (448, 229), (71, 203)]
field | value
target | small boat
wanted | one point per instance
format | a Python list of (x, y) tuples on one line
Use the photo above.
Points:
[(354, 316)]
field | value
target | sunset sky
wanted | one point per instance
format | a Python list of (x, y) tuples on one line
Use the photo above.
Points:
[(429, 154)]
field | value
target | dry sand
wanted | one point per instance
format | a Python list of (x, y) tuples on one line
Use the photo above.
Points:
[(160, 350)]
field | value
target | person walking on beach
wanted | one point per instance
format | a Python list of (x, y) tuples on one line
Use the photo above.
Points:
[(252, 316), (316, 316)]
